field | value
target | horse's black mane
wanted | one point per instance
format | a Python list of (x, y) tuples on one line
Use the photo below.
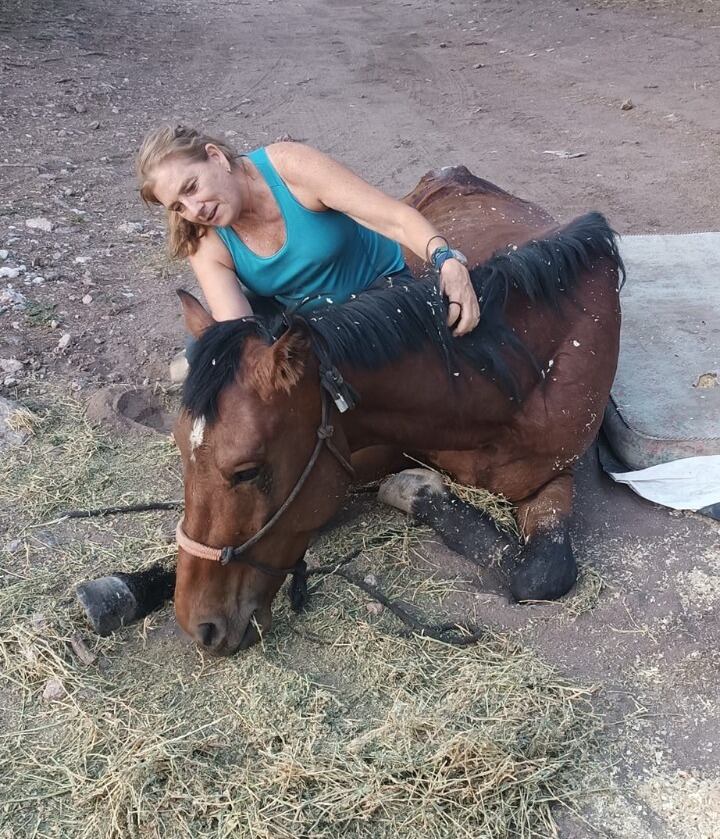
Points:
[(380, 325)]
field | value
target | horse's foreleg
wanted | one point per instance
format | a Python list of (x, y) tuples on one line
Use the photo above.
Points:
[(120, 599), (546, 566), (463, 528)]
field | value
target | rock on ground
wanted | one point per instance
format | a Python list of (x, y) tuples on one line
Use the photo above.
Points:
[(10, 436)]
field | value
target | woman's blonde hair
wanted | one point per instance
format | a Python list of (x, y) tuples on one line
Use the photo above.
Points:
[(183, 141)]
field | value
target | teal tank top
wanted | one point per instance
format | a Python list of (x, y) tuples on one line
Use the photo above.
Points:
[(325, 253)]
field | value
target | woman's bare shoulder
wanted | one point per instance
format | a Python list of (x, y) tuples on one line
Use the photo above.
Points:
[(290, 156), (302, 168)]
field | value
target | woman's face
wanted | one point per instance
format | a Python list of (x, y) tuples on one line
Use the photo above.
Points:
[(204, 192)]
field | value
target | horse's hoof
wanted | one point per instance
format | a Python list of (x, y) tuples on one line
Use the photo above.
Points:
[(405, 488), (547, 568), (120, 599), (108, 604)]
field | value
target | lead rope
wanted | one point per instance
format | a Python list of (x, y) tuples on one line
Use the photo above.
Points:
[(455, 634)]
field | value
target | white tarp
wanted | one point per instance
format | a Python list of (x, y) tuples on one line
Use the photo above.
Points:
[(690, 483)]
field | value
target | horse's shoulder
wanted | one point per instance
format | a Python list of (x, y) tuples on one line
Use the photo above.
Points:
[(447, 179)]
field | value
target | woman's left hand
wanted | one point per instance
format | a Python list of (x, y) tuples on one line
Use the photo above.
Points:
[(463, 305)]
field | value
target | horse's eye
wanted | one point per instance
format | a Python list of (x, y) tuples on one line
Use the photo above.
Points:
[(245, 475)]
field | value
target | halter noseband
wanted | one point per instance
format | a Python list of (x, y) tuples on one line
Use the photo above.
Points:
[(226, 555)]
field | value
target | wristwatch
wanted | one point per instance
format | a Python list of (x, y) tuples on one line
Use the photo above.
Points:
[(443, 253)]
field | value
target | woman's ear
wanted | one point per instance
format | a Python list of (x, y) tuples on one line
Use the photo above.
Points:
[(217, 156), (197, 318)]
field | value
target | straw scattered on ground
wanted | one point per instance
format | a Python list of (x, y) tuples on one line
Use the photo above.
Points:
[(494, 505), (497, 507), (334, 725)]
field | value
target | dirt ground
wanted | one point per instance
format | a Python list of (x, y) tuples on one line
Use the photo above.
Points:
[(394, 89)]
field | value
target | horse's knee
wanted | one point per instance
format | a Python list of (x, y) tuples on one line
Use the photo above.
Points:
[(547, 508), (463, 528), (546, 568)]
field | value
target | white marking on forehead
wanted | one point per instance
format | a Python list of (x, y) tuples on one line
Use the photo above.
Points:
[(196, 435)]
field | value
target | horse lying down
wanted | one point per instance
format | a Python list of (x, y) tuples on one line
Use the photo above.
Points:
[(269, 450)]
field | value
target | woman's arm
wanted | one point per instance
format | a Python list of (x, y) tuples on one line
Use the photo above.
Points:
[(322, 181), (213, 268)]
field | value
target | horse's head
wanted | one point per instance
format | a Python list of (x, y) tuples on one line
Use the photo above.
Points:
[(252, 410)]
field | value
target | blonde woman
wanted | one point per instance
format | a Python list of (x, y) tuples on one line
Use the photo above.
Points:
[(287, 222)]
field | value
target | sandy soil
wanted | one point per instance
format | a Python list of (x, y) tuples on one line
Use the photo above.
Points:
[(394, 89)]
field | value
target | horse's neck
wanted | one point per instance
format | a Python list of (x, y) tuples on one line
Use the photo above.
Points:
[(416, 401)]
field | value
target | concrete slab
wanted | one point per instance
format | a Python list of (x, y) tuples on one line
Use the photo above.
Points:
[(665, 402)]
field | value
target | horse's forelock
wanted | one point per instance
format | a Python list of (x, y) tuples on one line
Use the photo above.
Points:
[(216, 359)]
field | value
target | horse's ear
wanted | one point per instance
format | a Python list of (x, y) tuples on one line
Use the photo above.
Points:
[(281, 365), (197, 318)]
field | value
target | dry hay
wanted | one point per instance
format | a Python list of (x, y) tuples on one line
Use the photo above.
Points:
[(334, 725), (71, 464)]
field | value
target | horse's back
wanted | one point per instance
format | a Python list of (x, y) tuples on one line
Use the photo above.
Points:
[(455, 179), (474, 214)]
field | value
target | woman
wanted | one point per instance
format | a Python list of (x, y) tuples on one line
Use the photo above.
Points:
[(288, 222)]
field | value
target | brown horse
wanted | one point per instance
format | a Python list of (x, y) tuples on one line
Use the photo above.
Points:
[(510, 407)]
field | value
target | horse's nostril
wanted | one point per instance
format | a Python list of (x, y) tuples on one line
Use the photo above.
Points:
[(206, 632), (210, 634)]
